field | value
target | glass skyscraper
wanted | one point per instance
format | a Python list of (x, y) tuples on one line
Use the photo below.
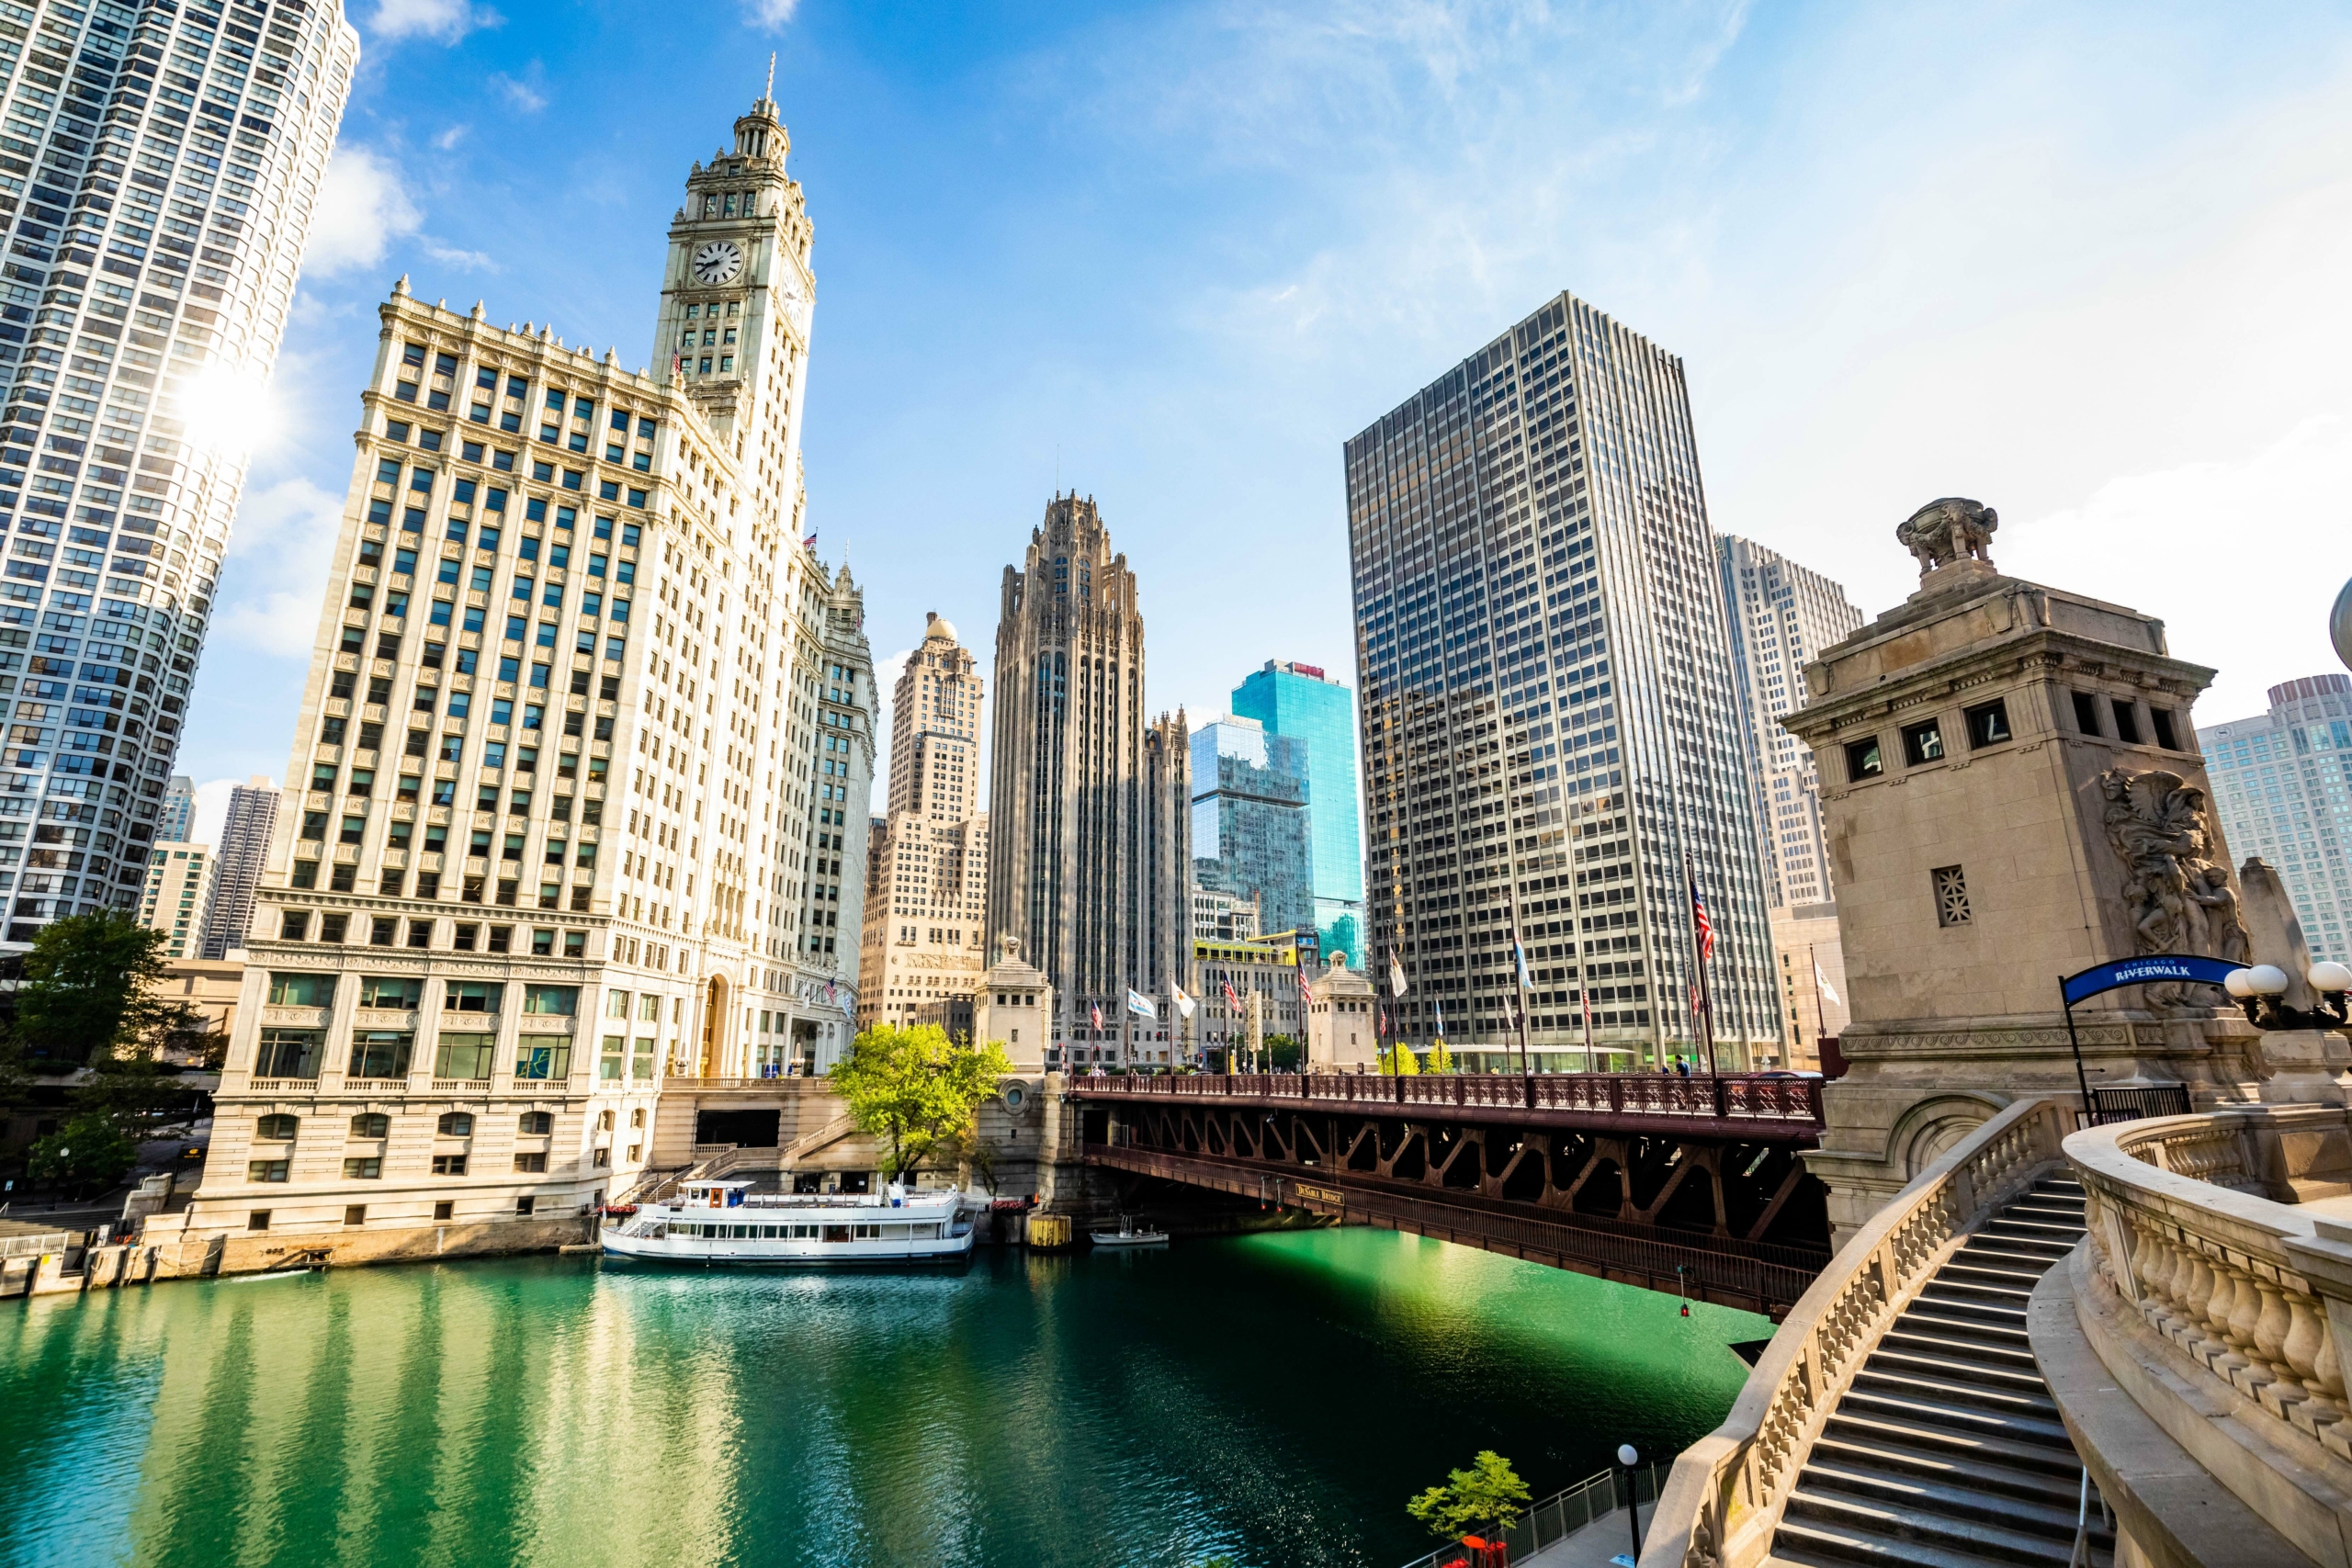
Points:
[(1251, 797), (1299, 702), (167, 160), (1551, 717), (2282, 782)]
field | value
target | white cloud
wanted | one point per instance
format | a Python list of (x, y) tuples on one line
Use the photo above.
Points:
[(470, 260), (276, 575), (362, 209), (212, 809), (525, 94), (443, 21), (769, 14), (447, 140)]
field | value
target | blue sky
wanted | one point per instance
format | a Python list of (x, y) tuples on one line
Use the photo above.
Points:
[(2085, 264)]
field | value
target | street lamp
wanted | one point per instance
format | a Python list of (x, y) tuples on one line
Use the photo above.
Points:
[(1629, 1458), (2259, 990)]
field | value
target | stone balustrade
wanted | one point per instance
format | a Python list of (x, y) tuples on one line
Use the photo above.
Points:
[(1725, 1497), (2215, 1290)]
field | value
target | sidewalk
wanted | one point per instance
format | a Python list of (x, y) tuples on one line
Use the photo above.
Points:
[(1590, 1547)]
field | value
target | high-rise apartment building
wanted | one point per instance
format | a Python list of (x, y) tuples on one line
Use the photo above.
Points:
[(581, 781), (1251, 836), (166, 160), (1550, 710), (177, 820), (244, 849), (1299, 702), (2283, 781), (928, 886), (1222, 916), (1782, 614), (179, 888), (1089, 863)]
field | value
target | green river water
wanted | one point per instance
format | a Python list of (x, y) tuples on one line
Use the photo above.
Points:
[(1272, 1398)]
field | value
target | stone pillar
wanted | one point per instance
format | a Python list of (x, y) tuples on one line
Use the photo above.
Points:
[(2010, 792)]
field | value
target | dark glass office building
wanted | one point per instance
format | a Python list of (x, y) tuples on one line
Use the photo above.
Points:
[(1549, 715)]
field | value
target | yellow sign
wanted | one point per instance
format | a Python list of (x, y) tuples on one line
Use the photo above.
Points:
[(1319, 1194)]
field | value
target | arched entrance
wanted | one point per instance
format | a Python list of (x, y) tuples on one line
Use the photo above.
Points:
[(713, 1026)]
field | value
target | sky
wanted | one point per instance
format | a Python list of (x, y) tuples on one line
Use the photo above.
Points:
[(2085, 264)]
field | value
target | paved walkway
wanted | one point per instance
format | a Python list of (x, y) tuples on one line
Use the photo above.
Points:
[(1590, 1547)]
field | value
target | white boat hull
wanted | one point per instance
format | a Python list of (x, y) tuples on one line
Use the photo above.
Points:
[(794, 1232), (762, 1252)]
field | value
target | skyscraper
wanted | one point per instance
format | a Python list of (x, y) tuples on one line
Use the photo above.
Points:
[(1251, 827), (1089, 859), (244, 849), (583, 769), (169, 160), (925, 898), (1782, 614), (179, 818), (1550, 711), (1301, 702), (2282, 782), (179, 886)]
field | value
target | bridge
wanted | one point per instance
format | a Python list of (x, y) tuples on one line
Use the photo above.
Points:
[(1690, 1186)]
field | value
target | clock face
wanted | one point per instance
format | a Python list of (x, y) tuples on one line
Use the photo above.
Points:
[(717, 261)]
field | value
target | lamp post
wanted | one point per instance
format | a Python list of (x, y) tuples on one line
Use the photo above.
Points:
[(1629, 1458), (2260, 990)]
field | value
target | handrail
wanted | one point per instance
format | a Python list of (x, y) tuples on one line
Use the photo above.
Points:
[(1555, 1517), (838, 1128), (1723, 1499), (1738, 1096)]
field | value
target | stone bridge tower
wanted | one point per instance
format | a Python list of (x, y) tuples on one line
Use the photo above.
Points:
[(2011, 792)]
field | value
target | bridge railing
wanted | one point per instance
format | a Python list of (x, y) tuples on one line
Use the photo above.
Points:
[(1737, 1097), (1723, 1498)]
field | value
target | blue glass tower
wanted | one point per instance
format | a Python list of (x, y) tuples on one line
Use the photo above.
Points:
[(1298, 702), (1250, 821)]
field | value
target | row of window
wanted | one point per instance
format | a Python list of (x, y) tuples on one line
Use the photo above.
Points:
[(388, 1054), (556, 403), (402, 992), (279, 1127), (1988, 725)]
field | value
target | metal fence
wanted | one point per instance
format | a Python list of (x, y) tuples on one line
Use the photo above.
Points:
[(1558, 1516), (1740, 1097), (2111, 1105)]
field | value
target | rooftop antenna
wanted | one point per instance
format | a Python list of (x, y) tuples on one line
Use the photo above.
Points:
[(770, 94)]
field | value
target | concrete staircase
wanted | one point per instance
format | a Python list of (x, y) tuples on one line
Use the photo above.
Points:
[(1947, 1451)]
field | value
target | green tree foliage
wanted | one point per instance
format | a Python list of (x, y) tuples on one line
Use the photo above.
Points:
[(1441, 1059), (90, 1148), (1399, 1061), (1283, 1052), (916, 1090), (90, 992), (1486, 1498)]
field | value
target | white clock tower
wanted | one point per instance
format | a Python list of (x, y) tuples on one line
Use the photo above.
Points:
[(736, 298)]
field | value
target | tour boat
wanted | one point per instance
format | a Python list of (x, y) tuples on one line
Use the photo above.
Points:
[(726, 1222), (1127, 1236)]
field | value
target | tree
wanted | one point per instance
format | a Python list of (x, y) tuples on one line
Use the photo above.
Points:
[(89, 1148), (1489, 1496), (1281, 1052), (1441, 1059), (915, 1089), (1399, 1061), (90, 993)]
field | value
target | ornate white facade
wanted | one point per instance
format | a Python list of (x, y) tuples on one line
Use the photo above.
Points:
[(577, 807)]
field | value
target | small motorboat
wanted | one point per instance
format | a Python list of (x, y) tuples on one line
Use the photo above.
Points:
[(1127, 1236)]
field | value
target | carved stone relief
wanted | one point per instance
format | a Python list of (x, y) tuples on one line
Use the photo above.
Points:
[(2179, 898)]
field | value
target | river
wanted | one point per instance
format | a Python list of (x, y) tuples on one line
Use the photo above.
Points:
[(1273, 1399)]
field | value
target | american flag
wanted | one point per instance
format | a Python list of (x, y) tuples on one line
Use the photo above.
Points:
[(1705, 927), (1230, 999)]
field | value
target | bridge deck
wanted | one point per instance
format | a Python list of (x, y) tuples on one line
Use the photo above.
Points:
[(1745, 1108), (1752, 1277)]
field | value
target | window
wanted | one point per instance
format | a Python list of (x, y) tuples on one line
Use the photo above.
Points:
[(1922, 744), (464, 1056), (276, 1129), (258, 1220), (533, 1164), (395, 993), (1988, 725), (455, 1125), (371, 1124), (1951, 896), (363, 1167), (268, 1170), (543, 1056), (536, 1124), (301, 990), (2127, 721), (1863, 760), (2087, 714), (446, 1164), (355, 1214), (562, 1001), (445, 1209), (609, 1064), (2166, 735), (473, 996), (288, 1054), (523, 1207)]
